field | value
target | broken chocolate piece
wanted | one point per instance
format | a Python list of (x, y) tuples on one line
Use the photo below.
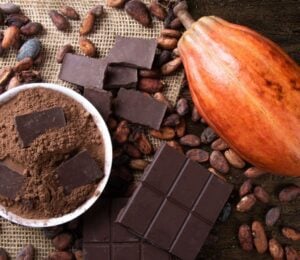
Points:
[(10, 182), (83, 71), (80, 170), (30, 126), (139, 108), (133, 52), (101, 99)]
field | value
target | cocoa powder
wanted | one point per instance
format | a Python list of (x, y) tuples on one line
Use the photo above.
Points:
[(41, 195)]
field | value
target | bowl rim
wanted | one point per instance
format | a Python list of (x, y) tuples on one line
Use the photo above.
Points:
[(102, 127)]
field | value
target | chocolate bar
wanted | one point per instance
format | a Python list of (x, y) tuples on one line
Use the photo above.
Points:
[(80, 170), (139, 108), (10, 182), (101, 99), (103, 239), (83, 71), (120, 77), (176, 204), (30, 126), (133, 52)]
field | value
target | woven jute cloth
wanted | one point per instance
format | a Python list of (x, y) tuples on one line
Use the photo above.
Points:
[(115, 22)]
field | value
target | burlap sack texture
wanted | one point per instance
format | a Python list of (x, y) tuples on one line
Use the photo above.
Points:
[(115, 22)]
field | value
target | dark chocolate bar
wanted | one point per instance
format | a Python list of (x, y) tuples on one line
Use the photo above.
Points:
[(83, 71), (176, 204), (30, 126), (80, 170), (140, 108), (134, 52), (101, 99), (10, 182), (103, 239), (120, 77)]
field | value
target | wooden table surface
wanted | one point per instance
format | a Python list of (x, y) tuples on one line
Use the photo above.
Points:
[(280, 21)]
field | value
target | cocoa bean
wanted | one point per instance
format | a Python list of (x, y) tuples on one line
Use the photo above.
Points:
[(218, 161), (17, 20), (176, 53), (175, 145), (272, 216), (175, 24), (139, 12), (10, 8), (14, 82), (169, 18), (51, 232), (291, 253), (79, 255), (261, 194), (246, 203), (164, 57), (195, 115), (167, 43), (219, 145), (190, 140), (170, 33), (157, 10), (142, 143), (97, 10), (276, 249), (62, 241), (60, 22), (29, 76), (60, 255), (115, 3), (289, 193), (132, 151), (181, 128), (160, 97), (69, 12), (38, 61), (31, 29), (112, 123), (165, 133), (182, 107), (3, 254), (24, 64), (291, 233), (67, 48), (31, 48), (11, 37), (172, 120), (208, 135), (245, 188), (234, 159), (149, 74), (26, 253), (87, 47), (138, 164), (5, 75), (122, 132), (171, 67), (259, 237), (198, 155), (150, 85), (254, 172), (245, 237), (203, 121), (87, 24)]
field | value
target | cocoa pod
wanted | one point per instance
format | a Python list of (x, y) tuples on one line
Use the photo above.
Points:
[(26, 253), (97, 10), (87, 24), (245, 237), (246, 203), (170, 33), (164, 57), (150, 85), (87, 47), (79, 255), (165, 133), (14, 82), (69, 12), (234, 159), (31, 29), (175, 24), (11, 37), (29, 76), (218, 161), (175, 145), (259, 237), (261, 194), (171, 67), (24, 64), (10, 8), (67, 48), (142, 143), (182, 107), (289, 193), (208, 135), (167, 43), (5, 75), (245, 188), (291, 233), (219, 145), (195, 115), (60, 22), (272, 216), (149, 74), (31, 48), (198, 155), (291, 253), (160, 97), (3, 254), (190, 140), (254, 172), (115, 3), (122, 132), (157, 10), (172, 120), (181, 128), (62, 241), (139, 12), (138, 164), (276, 249), (132, 151), (60, 255), (17, 20)]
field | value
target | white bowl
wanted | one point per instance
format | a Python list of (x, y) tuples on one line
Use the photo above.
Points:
[(107, 154)]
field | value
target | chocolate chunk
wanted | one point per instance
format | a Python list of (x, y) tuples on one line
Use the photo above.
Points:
[(176, 204), (120, 77), (30, 126), (133, 52), (83, 71), (80, 170), (10, 182), (101, 99), (102, 237), (139, 108)]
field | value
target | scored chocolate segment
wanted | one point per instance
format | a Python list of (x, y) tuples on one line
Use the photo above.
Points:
[(139, 108), (134, 52), (80, 170), (30, 126), (10, 182), (83, 71), (120, 77), (176, 204)]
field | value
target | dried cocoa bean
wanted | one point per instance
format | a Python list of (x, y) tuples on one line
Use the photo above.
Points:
[(51, 232), (276, 249), (170, 33), (60, 22), (215, 172), (165, 133), (97, 10), (218, 161), (198, 155), (24, 64), (26, 253), (291, 233), (289, 193), (169, 18), (208, 135), (67, 48), (62, 241), (260, 238), (157, 10), (60, 255), (87, 24), (167, 43), (5, 75), (10, 8), (29, 76), (181, 128), (31, 29), (139, 12), (115, 3), (150, 85), (164, 57), (142, 143), (182, 107), (245, 188), (3, 254), (261, 194), (190, 140), (175, 24), (291, 253), (31, 48), (11, 37), (132, 151), (195, 115), (160, 97), (246, 203), (234, 159), (38, 61), (175, 145), (272, 216), (172, 120), (69, 12), (79, 255), (171, 67), (219, 145), (245, 237), (87, 47), (122, 132), (138, 164), (17, 20), (149, 74), (176, 53), (14, 82), (254, 172)]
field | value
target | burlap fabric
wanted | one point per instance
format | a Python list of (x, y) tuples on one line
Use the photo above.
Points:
[(115, 22)]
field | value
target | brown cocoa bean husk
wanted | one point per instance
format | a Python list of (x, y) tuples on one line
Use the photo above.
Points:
[(290, 233), (11, 37), (182, 107), (167, 43), (261, 194), (67, 48), (171, 67), (61, 255), (195, 115), (276, 249), (289, 193), (29, 76), (141, 141), (87, 24), (175, 24), (161, 98), (219, 145), (234, 159), (87, 47), (31, 29), (69, 12), (272, 216), (259, 237), (97, 10), (164, 57), (60, 22), (24, 64), (254, 172), (27, 252), (165, 133), (157, 10), (245, 188), (245, 238), (190, 140), (115, 3), (246, 203), (138, 164), (291, 253), (175, 145), (208, 135), (10, 8), (198, 155), (149, 74), (14, 82), (218, 161), (172, 120), (122, 132), (62, 241), (3, 254), (132, 151), (150, 85), (181, 128), (170, 33), (5, 75), (17, 20), (139, 12)]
